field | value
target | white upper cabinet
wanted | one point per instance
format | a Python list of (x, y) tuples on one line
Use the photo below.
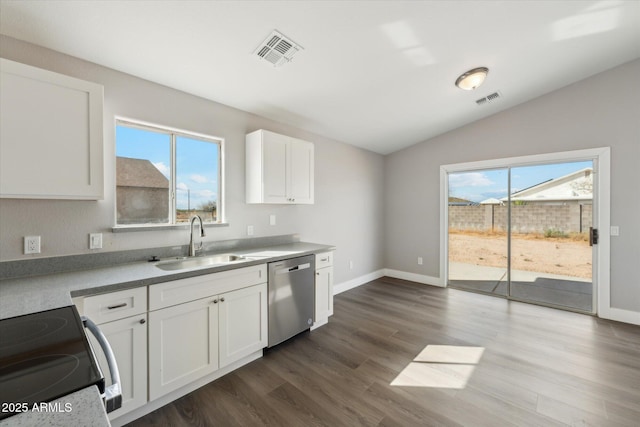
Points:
[(51, 135), (280, 169)]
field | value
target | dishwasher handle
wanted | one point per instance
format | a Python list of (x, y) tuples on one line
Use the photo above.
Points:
[(112, 394), (298, 267)]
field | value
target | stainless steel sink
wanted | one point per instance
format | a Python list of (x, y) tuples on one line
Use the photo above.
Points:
[(203, 261)]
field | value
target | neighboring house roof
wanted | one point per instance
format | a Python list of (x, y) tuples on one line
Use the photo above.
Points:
[(574, 186), (492, 201), (457, 201), (139, 173)]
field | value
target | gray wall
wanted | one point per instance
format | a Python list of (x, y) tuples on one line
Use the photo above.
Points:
[(379, 212), (603, 110), (348, 212)]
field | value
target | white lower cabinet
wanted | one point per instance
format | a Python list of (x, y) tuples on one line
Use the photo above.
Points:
[(183, 345), (171, 335), (122, 318), (242, 323), (324, 288), (128, 339), (190, 340)]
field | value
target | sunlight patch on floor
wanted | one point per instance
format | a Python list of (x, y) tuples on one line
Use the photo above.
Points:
[(440, 366)]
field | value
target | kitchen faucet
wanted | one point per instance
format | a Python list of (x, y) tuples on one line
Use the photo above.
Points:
[(192, 246)]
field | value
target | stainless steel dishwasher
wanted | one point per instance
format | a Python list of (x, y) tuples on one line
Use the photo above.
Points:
[(291, 297)]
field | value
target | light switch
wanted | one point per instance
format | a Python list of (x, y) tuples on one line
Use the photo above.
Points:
[(615, 230), (95, 241), (272, 219)]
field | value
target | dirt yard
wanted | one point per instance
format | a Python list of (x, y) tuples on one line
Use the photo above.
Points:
[(569, 256)]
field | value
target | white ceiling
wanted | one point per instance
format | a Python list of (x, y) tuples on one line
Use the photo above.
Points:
[(375, 74)]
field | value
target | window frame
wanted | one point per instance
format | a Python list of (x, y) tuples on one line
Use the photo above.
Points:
[(173, 134)]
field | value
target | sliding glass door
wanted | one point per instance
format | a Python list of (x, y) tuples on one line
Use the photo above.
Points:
[(522, 232), (478, 247), (551, 260)]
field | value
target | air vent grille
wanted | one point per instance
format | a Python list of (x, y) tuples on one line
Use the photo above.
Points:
[(489, 98), (277, 49)]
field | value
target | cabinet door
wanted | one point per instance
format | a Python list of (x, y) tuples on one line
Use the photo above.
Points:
[(301, 172), (243, 323), (279, 169), (275, 174), (183, 345), (128, 340), (324, 294), (50, 135)]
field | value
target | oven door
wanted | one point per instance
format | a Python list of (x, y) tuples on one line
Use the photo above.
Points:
[(112, 395)]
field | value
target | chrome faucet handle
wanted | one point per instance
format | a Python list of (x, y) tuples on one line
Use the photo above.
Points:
[(192, 245)]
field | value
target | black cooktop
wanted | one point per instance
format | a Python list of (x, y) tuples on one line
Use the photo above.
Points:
[(44, 356)]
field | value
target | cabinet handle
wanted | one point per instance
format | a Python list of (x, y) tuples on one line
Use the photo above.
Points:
[(111, 307), (143, 321), (215, 301), (221, 299), (324, 259), (317, 273)]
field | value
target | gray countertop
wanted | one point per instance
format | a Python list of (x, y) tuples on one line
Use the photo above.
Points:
[(82, 408), (39, 293), (33, 294)]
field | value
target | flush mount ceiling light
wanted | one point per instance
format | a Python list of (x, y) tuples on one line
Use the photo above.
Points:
[(472, 78)]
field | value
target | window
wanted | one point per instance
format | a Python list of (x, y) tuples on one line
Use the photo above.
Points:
[(165, 176)]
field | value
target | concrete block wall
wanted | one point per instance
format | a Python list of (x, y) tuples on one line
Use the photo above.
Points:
[(529, 218)]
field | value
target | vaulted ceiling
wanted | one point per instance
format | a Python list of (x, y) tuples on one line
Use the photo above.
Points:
[(375, 74)]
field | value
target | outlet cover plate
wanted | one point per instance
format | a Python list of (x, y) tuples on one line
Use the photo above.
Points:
[(31, 244)]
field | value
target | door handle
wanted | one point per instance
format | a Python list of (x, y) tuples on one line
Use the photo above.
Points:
[(593, 236), (113, 394)]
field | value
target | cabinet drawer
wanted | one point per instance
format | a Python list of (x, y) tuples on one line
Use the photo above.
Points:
[(184, 290), (115, 305), (324, 259)]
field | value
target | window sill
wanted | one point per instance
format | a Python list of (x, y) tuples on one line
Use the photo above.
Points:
[(162, 227)]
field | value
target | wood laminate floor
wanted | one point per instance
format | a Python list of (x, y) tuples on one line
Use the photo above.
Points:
[(397, 353)]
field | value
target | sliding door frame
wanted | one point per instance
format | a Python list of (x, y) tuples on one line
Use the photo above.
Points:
[(601, 158)]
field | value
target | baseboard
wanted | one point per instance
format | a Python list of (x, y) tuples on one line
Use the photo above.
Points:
[(319, 323), (396, 274), (358, 281), (617, 314), (620, 315), (413, 277)]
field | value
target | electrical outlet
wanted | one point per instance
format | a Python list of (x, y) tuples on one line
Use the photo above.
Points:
[(615, 230), (350, 265), (420, 261), (95, 241), (31, 244), (272, 220), (249, 230)]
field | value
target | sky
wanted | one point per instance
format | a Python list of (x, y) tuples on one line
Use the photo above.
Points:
[(477, 186), (197, 162)]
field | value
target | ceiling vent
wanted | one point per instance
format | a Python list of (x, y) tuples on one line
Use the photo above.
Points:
[(489, 98), (277, 49)]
